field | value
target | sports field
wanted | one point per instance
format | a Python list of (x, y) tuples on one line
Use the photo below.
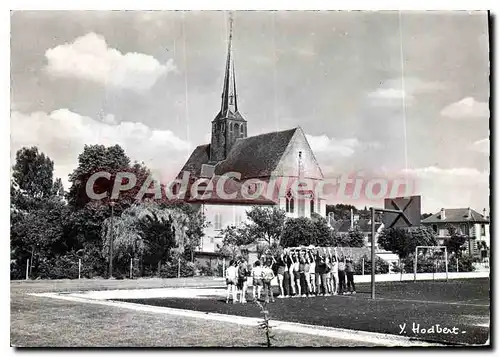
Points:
[(458, 309), (44, 321)]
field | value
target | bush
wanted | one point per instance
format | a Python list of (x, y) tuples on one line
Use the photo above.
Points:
[(61, 267), (381, 266), (170, 269)]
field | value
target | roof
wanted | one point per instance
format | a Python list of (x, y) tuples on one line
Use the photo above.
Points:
[(256, 156), (456, 215), (252, 157), (363, 224)]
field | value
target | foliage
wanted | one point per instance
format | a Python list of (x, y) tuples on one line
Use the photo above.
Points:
[(355, 238), (381, 266), (404, 241), (265, 324), (322, 233), (341, 211), (266, 223), (298, 232), (170, 269), (233, 238), (455, 242)]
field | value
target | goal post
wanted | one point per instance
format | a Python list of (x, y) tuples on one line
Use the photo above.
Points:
[(431, 247)]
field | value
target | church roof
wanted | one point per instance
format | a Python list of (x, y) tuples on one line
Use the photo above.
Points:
[(255, 156)]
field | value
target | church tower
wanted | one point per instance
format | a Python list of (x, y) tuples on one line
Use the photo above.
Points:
[(228, 125)]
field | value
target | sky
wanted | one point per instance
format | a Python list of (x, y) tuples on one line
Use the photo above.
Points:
[(385, 93)]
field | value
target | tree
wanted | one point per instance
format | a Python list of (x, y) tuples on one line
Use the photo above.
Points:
[(298, 232), (455, 243), (322, 233), (233, 238), (355, 238), (341, 211), (404, 241), (33, 173), (266, 223)]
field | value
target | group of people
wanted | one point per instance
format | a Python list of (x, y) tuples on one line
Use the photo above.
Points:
[(300, 272)]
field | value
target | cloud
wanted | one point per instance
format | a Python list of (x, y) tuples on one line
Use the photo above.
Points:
[(62, 135), (392, 91), (482, 146), (451, 188), (323, 144), (90, 58), (466, 108)]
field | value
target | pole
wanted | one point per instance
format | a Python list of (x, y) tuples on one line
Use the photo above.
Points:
[(179, 267), (79, 268), (373, 252), (131, 267), (363, 267), (446, 261), (27, 268), (457, 263), (415, 265), (110, 273), (223, 267)]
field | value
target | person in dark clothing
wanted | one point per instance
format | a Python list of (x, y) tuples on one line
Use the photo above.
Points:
[(280, 271), (302, 276), (349, 272), (341, 268), (320, 275), (287, 279)]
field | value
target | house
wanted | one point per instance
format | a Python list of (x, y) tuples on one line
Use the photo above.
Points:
[(466, 221), (235, 171)]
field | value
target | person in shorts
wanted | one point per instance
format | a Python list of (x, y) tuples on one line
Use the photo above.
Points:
[(335, 274), (296, 275), (267, 277), (243, 274), (280, 271), (312, 273), (231, 277), (341, 268), (257, 280)]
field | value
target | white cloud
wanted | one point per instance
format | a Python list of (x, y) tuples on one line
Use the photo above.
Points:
[(62, 135), (482, 146), (466, 108), (323, 144), (89, 57), (451, 188), (392, 92)]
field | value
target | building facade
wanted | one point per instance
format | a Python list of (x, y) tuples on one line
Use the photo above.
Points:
[(468, 223)]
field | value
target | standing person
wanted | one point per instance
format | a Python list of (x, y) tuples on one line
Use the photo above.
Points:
[(335, 274), (243, 274), (280, 263), (307, 267), (341, 267), (267, 277), (328, 275), (231, 277), (296, 275), (349, 271), (257, 280), (289, 269), (320, 274), (302, 275), (312, 273)]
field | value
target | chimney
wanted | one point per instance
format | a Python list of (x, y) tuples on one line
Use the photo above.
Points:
[(484, 213), (443, 214), (469, 213)]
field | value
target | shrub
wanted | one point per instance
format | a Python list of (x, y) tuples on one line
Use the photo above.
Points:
[(61, 267), (381, 266), (170, 269)]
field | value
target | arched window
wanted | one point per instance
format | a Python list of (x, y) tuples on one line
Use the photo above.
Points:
[(290, 202), (236, 127), (312, 206), (231, 127), (241, 128)]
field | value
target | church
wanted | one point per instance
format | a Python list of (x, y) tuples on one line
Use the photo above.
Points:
[(277, 160)]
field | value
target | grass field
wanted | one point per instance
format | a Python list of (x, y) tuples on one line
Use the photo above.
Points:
[(459, 304), (45, 322)]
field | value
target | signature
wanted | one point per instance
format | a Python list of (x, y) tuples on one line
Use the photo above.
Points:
[(437, 328)]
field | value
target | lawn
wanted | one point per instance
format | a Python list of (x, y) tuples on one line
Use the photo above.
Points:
[(45, 322), (459, 304)]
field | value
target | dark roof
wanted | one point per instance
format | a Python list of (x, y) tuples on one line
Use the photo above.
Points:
[(456, 215), (363, 224), (256, 156), (200, 156)]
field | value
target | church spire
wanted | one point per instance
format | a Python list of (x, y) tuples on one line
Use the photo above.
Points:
[(229, 98)]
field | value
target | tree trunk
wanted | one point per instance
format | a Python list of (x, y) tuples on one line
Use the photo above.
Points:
[(31, 261), (159, 268)]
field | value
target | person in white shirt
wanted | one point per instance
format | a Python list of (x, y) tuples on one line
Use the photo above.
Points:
[(231, 277), (257, 280), (334, 282), (312, 274)]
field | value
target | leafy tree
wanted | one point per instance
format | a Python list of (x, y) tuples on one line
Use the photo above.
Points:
[(322, 233), (455, 243), (355, 238), (298, 232), (33, 173), (233, 238), (404, 241), (266, 223)]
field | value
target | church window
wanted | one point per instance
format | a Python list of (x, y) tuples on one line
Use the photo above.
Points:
[(290, 202), (312, 206), (236, 127), (231, 127), (218, 221), (241, 129)]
